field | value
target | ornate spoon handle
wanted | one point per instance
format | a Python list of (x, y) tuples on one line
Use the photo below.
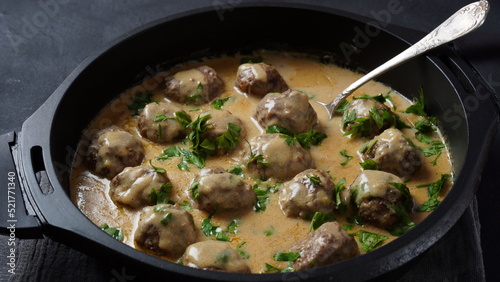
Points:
[(462, 22)]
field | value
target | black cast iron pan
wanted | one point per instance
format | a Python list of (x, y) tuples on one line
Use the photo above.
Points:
[(41, 154)]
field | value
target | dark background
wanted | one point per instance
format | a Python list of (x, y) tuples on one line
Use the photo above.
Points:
[(41, 42)]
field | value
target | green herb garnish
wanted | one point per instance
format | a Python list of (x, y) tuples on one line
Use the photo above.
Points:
[(344, 154), (114, 232), (433, 192), (162, 196), (219, 103), (140, 101)]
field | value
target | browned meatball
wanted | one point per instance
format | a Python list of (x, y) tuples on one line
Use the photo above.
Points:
[(326, 245), (195, 86), (215, 256), (112, 149), (290, 110), (393, 153), (271, 157), (159, 124), (165, 229), (132, 187), (259, 79), (373, 194), (308, 192), (221, 191), (358, 118)]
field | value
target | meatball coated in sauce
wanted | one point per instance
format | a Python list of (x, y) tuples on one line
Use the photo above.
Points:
[(259, 79), (364, 109), (215, 256), (290, 110), (308, 192), (271, 157), (112, 149), (132, 187), (158, 123), (393, 153), (221, 191), (195, 86), (165, 230), (218, 125), (326, 245), (373, 194)]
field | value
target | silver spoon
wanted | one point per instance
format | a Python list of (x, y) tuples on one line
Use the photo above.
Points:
[(462, 22)]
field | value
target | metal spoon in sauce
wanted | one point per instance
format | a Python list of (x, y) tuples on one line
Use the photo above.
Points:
[(462, 22)]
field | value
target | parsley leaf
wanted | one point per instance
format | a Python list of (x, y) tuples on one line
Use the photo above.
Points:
[(219, 103), (344, 154), (319, 218), (163, 194), (369, 164), (282, 256), (433, 192), (140, 101), (418, 107), (369, 241), (113, 232)]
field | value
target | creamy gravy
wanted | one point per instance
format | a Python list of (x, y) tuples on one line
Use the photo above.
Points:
[(267, 232)]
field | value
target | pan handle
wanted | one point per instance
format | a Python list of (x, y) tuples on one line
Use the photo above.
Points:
[(17, 217)]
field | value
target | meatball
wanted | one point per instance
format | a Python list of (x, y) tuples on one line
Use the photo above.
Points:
[(112, 149), (326, 245), (290, 110), (165, 230), (374, 195), (393, 153), (259, 79), (221, 191), (271, 157), (195, 86), (214, 255), (218, 124), (132, 187), (358, 119), (308, 192), (159, 124)]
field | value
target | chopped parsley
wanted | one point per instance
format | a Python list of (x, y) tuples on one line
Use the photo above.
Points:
[(195, 193), (283, 256), (239, 249), (221, 235), (263, 195), (369, 241), (237, 170), (315, 180), (188, 157), (433, 192), (344, 154), (319, 218), (113, 232), (140, 101), (418, 106), (157, 169), (167, 219), (162, 196), (219, 103), (341, 207), (196, 97), (306, 139), (369, 164)]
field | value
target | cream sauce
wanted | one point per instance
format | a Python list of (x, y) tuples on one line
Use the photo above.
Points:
[(264, 233)]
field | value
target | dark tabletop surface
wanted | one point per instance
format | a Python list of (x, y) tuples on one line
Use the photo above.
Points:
[(41, 42)]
